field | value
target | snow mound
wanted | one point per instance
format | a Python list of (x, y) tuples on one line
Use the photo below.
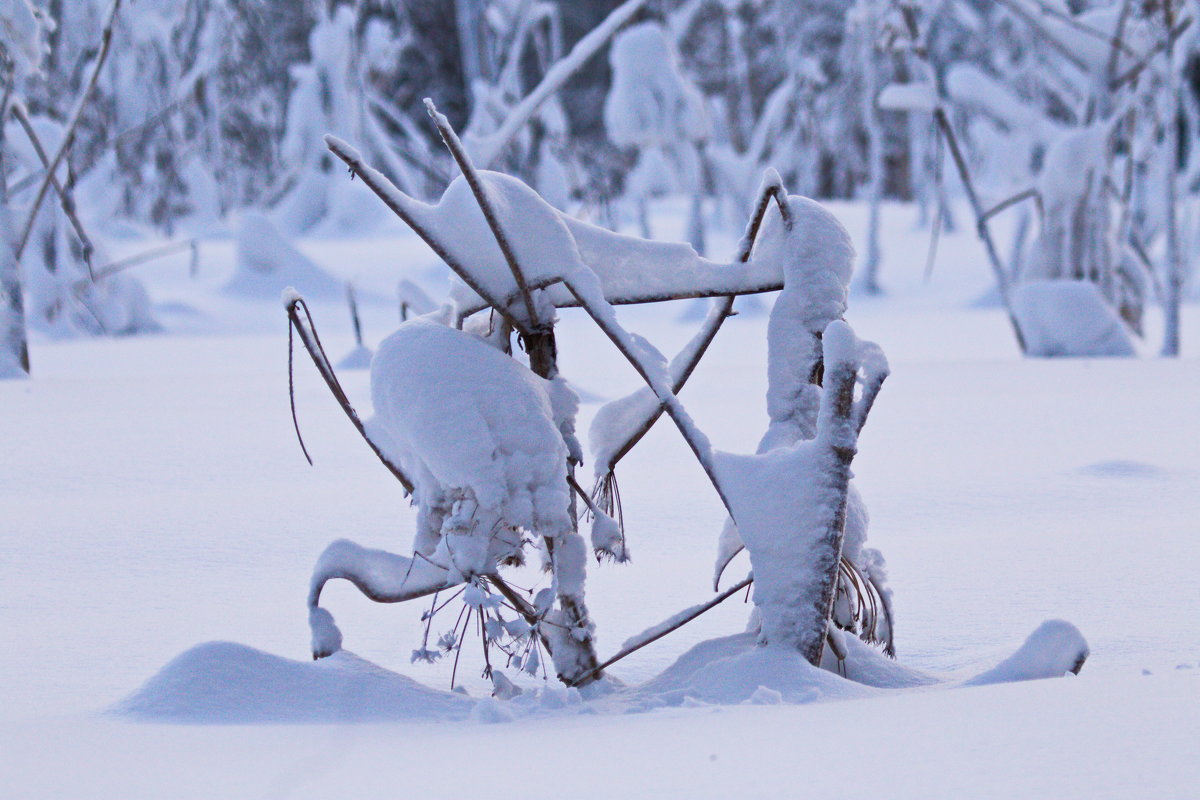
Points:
[(224, 682), (1122, 469), (1051, 651), (267, 263), (733, 669), (358, 358), (1069, 318)]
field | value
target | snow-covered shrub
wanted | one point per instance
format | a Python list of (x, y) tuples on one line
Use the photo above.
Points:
[(486, 445)]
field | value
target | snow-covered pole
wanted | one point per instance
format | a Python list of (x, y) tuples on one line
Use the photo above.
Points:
[(579, 663), (68, 138)]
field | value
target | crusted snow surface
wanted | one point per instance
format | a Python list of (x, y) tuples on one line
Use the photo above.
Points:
[(1069, 318), (477, 433)]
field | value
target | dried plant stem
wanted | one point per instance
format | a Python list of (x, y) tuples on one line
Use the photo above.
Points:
[(312, 343), (981, 226), (72, 125), (678, 623), (717, 317), (137, 259), (485, 205), (65, 200)]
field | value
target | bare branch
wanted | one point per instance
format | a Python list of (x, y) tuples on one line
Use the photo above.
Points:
[(72, 125), (676, 623), (1008, 203), (308, 335), (68, 204)]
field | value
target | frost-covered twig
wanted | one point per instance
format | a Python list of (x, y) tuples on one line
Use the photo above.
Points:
[(65, 200), (294, 303), (386, 191), (488, 150), (485, 205), (68, 138)]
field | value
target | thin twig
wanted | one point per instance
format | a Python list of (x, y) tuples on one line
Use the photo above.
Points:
[(72, 125), (717, 317), (137, 259), (985, 234), (692, 613), (670, 402), (1167, 41), (1008, 203)]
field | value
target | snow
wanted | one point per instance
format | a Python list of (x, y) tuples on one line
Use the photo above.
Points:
[(172, 507), (916, 97), (1069, 318), (480, 467), (267, 263), (223, 682)]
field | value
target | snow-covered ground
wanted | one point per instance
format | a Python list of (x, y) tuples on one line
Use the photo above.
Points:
[(153, 498)]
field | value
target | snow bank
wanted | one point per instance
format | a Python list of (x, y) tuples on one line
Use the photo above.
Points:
[(1069, 318), (267, 263), (224, 682)]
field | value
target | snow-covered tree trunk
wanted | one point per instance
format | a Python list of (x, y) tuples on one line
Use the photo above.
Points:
[(14, 345), (1173, 289)]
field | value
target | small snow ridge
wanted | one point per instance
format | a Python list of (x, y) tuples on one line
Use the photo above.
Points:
[(224, 682), (1122, 469)]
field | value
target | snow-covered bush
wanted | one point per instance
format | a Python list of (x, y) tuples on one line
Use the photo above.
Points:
[(486, 444)]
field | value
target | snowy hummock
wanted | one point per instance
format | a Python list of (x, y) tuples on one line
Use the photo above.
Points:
[(1069, 318), (226, 683), (267, 263)]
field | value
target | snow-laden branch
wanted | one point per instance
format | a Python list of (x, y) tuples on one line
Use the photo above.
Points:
[(489, 148), (382, 576)]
